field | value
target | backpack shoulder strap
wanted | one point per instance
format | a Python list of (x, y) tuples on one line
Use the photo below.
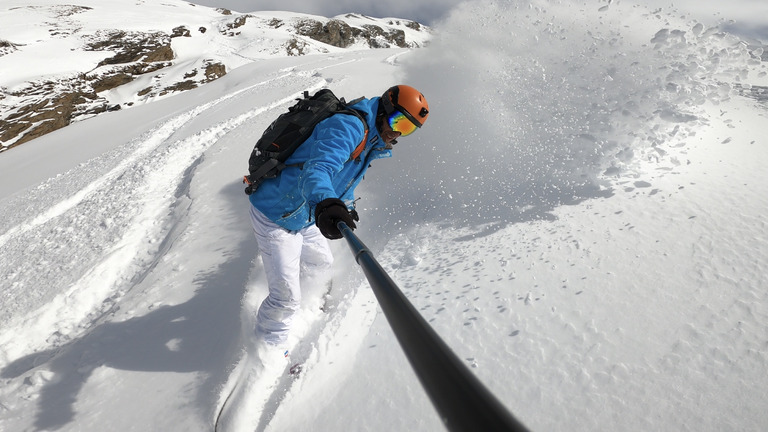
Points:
[(353, 101), (360, 147), (349, 110)]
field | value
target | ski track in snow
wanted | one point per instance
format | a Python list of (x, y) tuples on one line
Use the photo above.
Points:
[(119, 238)]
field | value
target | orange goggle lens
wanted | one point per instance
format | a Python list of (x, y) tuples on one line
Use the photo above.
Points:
[(400, 123)]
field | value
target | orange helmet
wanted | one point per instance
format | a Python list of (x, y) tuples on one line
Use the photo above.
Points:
[(408, 101)]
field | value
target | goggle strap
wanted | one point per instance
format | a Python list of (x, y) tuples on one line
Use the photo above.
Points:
[(408, 115)]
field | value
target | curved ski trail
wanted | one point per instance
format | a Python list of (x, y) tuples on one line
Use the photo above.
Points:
[(117, 222)]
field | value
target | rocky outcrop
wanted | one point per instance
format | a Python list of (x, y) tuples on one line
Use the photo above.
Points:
[(340, 34), (230, 27), (335, 32), (7, 47), (53, 108), (211, 71), (46, 106), (132, 47)]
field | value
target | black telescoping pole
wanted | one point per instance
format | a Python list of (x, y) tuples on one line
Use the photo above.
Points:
[(462, 401)]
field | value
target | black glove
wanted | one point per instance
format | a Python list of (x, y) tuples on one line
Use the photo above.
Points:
[(329, 212)]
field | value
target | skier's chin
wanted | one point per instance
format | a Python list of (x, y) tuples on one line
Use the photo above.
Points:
[(389, 136)]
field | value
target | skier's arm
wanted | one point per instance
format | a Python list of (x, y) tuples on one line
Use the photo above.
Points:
[(335, 140)]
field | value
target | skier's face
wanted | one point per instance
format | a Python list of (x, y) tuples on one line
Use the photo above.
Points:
[(387, 134)]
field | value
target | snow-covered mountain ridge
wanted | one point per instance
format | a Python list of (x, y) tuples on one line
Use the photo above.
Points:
[(65, 62)]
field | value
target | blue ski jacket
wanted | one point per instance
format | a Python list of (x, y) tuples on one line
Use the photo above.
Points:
[(326, 169)]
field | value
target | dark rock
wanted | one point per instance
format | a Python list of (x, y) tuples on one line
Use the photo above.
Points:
[(340, 34), (214, 71), (335, 32), (44, 116), (180, 31), (111, 81), (133, 47)]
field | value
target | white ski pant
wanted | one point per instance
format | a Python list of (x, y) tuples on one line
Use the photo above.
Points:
[(291, 259)]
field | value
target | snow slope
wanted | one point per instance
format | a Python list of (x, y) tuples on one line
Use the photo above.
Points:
[(582, 220)]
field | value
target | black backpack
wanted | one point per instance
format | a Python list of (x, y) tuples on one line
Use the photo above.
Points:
[(290, 130)]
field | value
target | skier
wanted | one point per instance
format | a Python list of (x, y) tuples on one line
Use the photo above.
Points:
[(293, 214)]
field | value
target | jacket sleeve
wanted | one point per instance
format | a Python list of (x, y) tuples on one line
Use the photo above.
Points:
[(334, 141)]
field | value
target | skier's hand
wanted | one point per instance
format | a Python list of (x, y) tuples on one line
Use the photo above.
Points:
[(329, 212)]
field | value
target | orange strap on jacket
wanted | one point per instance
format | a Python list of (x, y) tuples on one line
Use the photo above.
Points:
[(360, 147)]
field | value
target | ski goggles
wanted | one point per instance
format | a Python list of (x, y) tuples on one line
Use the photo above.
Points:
[(400, 123)]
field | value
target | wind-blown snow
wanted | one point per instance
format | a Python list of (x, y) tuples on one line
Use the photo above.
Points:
[(547, 101), (582, 220)]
